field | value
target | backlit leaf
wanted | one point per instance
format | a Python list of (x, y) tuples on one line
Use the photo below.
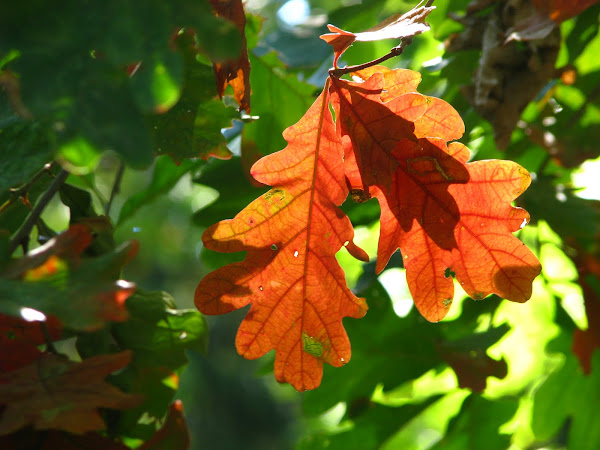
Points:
[(234, 72), (290, 274), (394, 27)]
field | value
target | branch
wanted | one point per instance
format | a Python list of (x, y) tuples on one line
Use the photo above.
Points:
[(36, 212), (22, 191), (116, 187), (396, 51)]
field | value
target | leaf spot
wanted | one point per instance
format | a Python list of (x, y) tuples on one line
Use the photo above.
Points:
[(274, 192), (312, 346), (416, 166)]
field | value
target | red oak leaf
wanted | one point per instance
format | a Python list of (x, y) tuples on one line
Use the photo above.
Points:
[(56, 393), (446, 216), (373, 128), (397, 26), (290, 275), (174, 434), (19, 340), (234, 73), (39, 281)]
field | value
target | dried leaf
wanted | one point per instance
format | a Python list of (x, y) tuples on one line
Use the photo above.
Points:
[(234, 73), (54, 392), (174, 434), (398, 26)]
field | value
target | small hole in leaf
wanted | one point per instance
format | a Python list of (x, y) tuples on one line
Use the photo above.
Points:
[(273, 247)]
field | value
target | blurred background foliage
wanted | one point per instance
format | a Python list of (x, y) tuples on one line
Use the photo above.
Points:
[(493, 374)]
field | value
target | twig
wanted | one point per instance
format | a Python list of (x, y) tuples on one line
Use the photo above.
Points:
[(49, 344), (396, 51), (393, 52), (24, 189), (116, 187), (36, 212)]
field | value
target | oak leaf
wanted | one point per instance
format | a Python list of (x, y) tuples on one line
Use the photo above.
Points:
[(20, 339), (449, 218), (234, 73), (56, 393), (56, 271), (446, 216), (290, 275)]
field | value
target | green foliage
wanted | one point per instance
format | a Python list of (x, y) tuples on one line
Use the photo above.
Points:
[(120, 98)]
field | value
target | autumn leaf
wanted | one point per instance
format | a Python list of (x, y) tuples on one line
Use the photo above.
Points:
[(19, 340), (446, 216), (55, 393), (373, 128), (398, 26), (290, 275), (49, 275), (234, 73), (174, 434), (450, 219)]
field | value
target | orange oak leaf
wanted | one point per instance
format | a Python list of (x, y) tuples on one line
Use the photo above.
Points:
[(290, 275), (174, 434), (234, 73), (373, 128), (446, 216), (38, 281), (19, 340), (397, 26), (56, 393)]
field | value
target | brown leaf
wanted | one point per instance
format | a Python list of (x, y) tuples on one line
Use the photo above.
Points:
[(54, 392), (19, 340), (173, 435), (234, 73), (398, 26)]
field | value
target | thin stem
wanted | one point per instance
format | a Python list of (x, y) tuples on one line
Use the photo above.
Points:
[(396, 51), (49, 344), (23, 232), (393, 52), (116, 187), (23, 190)]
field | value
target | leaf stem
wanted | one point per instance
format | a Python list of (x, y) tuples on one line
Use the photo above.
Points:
[(49, 344), (116, 187), (23, 232), (396, 51)]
